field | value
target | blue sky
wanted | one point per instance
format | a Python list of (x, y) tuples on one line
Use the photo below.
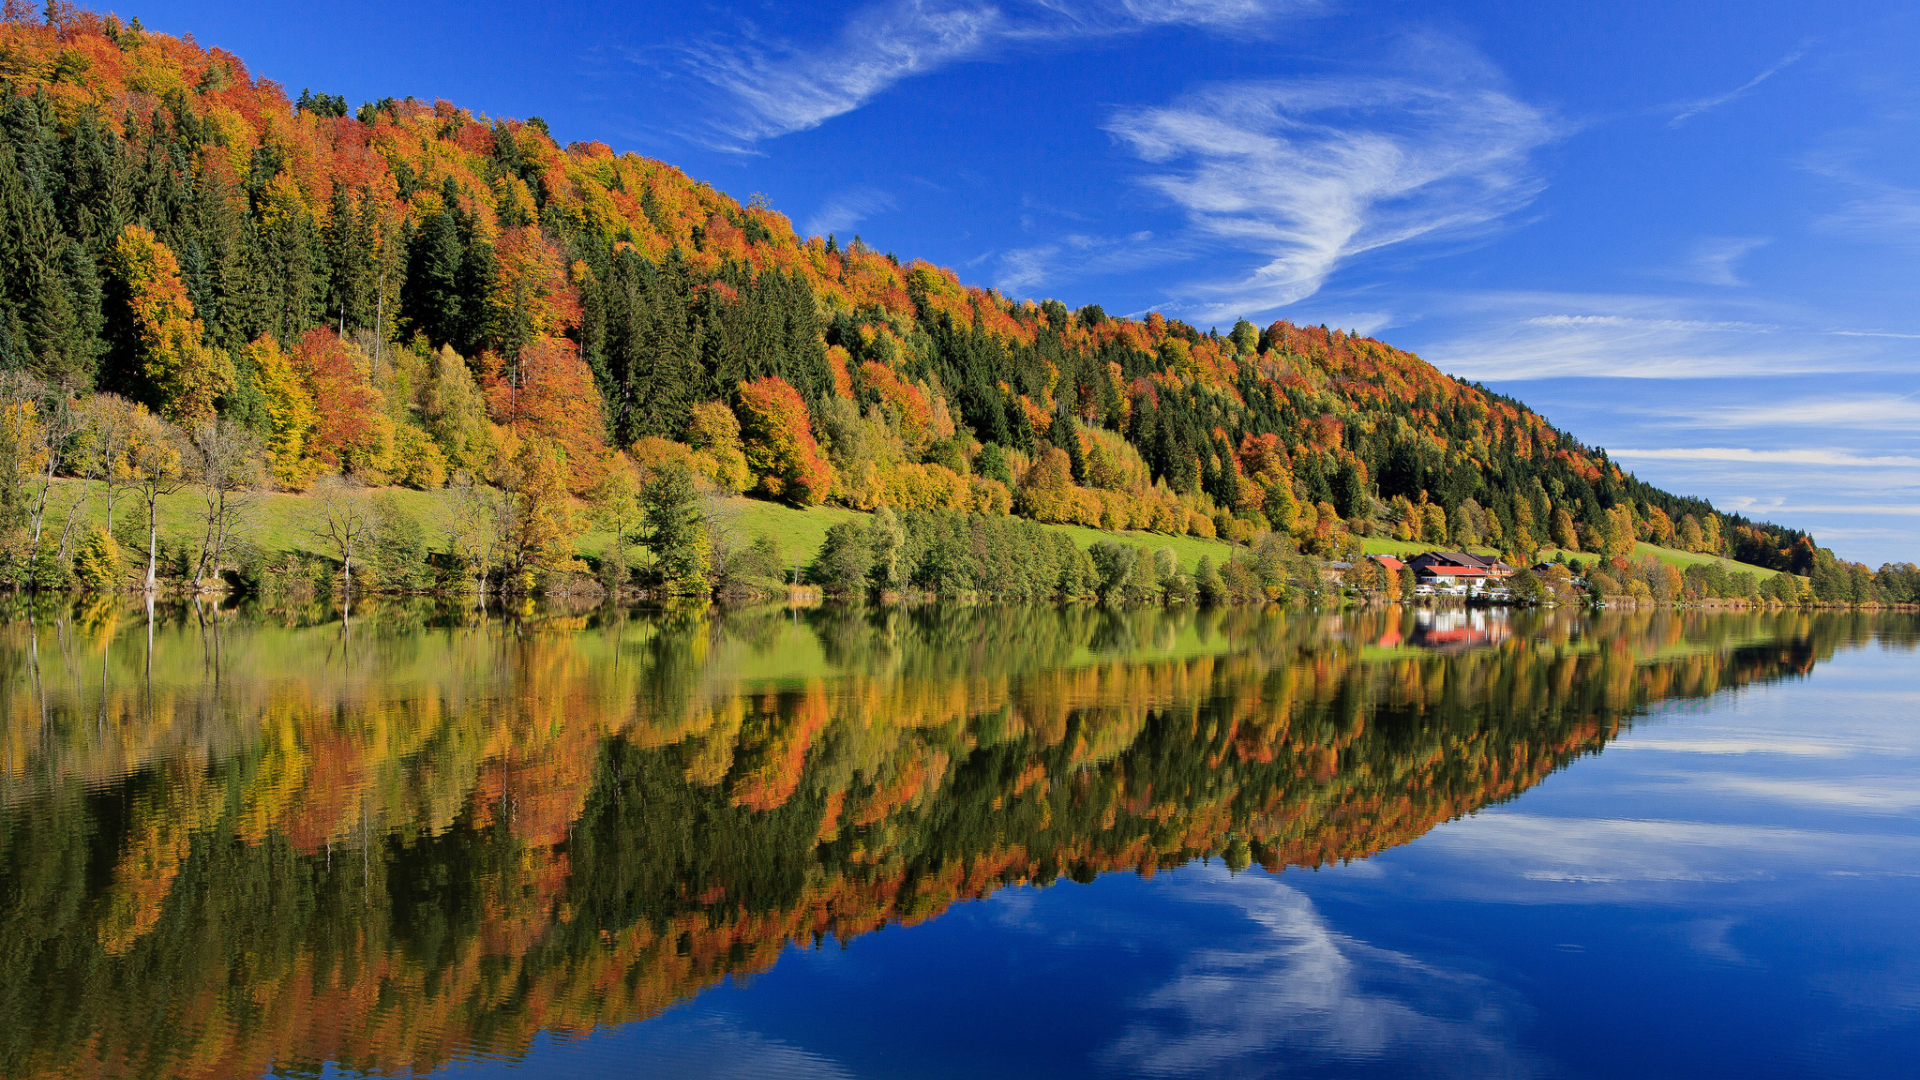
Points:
[(1688, 233)]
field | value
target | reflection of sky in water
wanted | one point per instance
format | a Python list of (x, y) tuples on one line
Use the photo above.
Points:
[(1729, 890)]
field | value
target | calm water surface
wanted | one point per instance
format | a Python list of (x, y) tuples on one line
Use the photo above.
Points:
[(982, 842)]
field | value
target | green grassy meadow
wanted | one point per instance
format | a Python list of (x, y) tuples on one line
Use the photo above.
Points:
[(281, 523), (802, 532), (1382, 545), (276, 521), (1670, 556)]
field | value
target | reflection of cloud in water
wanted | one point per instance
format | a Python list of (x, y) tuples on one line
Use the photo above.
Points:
[(716, 1048), (1733, 746), (1627, 852), (1301, 989), (1885, 795), (1709, 937)]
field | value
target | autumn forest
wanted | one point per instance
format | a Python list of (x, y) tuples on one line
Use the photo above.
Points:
[(208, 276)]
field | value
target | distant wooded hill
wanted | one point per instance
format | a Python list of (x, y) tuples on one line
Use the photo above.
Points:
[(176, 230)]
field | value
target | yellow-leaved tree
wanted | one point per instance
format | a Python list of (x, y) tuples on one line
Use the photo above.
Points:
[(290, 410), (544, 528), (187, 378)]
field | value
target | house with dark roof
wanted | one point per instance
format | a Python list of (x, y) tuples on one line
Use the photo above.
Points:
[(1454, 569)]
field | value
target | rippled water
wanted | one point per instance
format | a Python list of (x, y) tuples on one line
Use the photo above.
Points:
[(973, 842)]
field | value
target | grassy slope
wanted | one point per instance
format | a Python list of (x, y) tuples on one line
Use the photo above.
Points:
[(277, 522), (1673, 557), (803, 531), (1684, 559), (1378, 545), (281, 522)]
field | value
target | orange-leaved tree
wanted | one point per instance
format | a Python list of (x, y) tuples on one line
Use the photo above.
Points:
[(186, 377), (552, 396), (352, 432), (533, 295), (779, 442), (1046, 492), (906, 407)]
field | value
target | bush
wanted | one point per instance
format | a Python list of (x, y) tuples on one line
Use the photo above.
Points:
[(97, 563), (845, 562), (399, 556), (247, 568)]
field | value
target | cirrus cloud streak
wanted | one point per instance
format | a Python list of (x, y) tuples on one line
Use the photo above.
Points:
[(1309, 174), (779, 87), (1822, 458)]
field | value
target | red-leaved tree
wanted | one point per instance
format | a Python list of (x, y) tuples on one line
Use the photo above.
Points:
[(779, 442), (350, 432)]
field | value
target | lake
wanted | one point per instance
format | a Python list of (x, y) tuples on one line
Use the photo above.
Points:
[(957, 842)]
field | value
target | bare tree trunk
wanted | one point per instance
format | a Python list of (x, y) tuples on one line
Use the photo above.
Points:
[(206, 550), (153, 549), (73, 518)]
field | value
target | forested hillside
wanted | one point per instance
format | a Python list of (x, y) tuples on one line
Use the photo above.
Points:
[(409, 293)]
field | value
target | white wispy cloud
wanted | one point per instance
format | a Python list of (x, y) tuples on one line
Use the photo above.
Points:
[(1878, 412), (778, 87), (1902, 509), (1021, 270), (842, 212), (1870, 502), (1515, 336), (1883, 213), (1311, 173), (1362, 323), (1877, 211), (1713, 260), (1823, 458), (1695, 108)]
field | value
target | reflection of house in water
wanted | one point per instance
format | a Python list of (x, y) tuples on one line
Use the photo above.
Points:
[(1457, 631)]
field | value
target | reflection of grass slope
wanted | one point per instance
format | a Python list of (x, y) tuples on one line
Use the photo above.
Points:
[(787, 652)]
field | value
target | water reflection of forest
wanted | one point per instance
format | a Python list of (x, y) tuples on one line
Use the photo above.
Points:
[(230, 842)]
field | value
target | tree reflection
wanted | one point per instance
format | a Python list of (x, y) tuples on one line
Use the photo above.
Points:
[(267, 843)]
